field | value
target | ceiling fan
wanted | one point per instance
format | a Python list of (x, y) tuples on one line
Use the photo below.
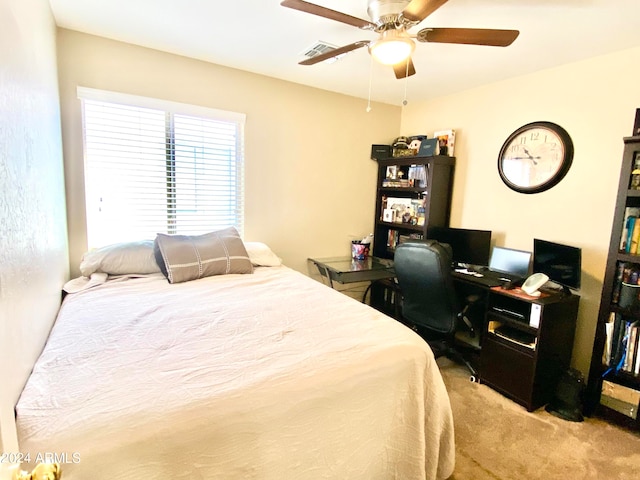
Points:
[(392, 19)]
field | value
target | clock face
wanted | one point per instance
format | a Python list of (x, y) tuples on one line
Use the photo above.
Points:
[(535, 157)]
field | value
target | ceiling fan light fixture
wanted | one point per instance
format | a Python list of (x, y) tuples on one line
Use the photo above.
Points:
[(394, 46)]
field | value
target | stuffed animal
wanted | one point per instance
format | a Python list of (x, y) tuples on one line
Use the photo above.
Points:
[(42, 471)]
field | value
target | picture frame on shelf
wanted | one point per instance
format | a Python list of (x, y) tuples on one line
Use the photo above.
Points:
[(428, 147), (446, 142), (400, 206), (392, 172), (389, 215)]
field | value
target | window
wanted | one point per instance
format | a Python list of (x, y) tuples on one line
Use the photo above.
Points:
[(153, 166)]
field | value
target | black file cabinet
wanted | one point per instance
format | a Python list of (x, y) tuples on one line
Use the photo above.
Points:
[(527, 344)]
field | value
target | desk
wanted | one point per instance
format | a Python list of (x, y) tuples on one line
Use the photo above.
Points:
[(527, 373), (526, 342), (348, 270), (378, 271), (526, 364)]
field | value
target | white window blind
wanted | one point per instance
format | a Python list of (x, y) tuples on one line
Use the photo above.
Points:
[(153, 166)]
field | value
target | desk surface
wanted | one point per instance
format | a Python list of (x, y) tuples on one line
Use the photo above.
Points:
[(348, 270)]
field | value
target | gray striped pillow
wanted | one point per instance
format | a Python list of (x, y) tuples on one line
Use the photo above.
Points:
[(182, 258)]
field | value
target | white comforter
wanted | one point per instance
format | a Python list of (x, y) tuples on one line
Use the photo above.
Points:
[(264, 376)]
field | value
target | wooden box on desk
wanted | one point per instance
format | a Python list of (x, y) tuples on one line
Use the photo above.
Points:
[(527, 372)]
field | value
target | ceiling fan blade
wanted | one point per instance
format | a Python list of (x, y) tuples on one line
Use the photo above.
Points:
[(401, 71), (334, 53), (418, 10), (327, 13), (469, 36)]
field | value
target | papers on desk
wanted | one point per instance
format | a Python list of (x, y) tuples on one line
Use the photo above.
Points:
[(468, 272), (512, 334)]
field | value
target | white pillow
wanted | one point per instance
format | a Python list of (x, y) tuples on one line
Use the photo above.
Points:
[(261, 255), (120, 259)]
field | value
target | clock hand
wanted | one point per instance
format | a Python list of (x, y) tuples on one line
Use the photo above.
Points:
[(530, 157)]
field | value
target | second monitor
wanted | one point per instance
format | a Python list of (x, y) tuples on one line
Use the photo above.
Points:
[(471, 247)]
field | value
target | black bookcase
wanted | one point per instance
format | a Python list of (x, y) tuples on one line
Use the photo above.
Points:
[(430, 193), (611, 392)]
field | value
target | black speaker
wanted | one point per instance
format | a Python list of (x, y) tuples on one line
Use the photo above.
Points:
[(567, 401)]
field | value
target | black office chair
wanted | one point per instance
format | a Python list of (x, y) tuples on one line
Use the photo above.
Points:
[(430, 304)]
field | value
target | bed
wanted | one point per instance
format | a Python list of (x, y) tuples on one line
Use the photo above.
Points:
[(263, 375)]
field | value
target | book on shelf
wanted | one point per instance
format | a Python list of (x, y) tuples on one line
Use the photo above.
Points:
[(608, 344), (396, 182), (631, 214), (636, 366), (617, 338), (634, 237), (392, 238), (621, 344), (628, 232), (620, 341), (632, 342), (631, 347), (626, 346)]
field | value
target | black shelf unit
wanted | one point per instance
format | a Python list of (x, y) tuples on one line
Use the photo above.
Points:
[(599, 371), (435, 194)]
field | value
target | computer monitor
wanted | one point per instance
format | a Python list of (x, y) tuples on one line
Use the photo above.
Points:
[(561, 263), (470, 247), (509, 260)]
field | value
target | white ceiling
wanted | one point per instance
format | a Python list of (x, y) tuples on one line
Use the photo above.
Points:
[(263, 37)]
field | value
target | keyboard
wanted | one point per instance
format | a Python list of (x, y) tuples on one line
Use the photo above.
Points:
[(476, 277), (489, 281)]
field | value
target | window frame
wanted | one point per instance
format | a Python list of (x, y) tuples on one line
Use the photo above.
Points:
[(171, 109)]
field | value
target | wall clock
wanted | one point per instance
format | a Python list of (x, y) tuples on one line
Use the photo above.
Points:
[(535, 157)]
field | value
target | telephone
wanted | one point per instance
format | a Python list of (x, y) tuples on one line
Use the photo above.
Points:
[(533, 283)]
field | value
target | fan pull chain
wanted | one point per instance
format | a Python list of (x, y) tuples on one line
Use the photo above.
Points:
[(406, 83), (370, 81)]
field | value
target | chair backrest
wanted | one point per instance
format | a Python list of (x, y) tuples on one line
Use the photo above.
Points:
[(423, 270)]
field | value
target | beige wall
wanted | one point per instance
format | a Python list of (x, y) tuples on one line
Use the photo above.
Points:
[(595, 101), (310, 185), (33, 241)]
